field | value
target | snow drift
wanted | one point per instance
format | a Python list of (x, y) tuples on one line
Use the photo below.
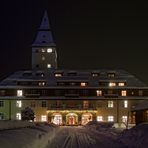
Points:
[(136, 137)]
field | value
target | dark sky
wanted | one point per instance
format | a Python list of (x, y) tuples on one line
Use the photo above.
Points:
[(89, 34)]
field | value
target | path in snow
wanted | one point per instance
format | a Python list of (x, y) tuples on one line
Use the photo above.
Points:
[(79, 137)]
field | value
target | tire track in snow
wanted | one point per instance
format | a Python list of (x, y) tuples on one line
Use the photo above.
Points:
[(72, 137)]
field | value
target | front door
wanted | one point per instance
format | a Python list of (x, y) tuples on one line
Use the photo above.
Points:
[(72, 120)]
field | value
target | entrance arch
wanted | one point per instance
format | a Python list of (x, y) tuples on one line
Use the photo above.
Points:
[(56, 119), (72, 119), (86, 117)]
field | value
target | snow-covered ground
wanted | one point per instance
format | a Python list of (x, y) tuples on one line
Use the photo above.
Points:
[(93, 135), (36, 136)]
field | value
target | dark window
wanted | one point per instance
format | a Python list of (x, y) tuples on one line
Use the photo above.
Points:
[(43, 103), (2, 92), (1, 103), (1, 116)]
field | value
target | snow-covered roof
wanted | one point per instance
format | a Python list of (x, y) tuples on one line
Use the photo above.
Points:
[(73, 76), (141, 106)]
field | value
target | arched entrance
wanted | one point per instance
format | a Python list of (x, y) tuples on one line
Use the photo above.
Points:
[(71, 119), (86, 117), (56, 118)]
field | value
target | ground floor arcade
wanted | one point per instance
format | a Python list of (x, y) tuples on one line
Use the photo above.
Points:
[(71, 117)]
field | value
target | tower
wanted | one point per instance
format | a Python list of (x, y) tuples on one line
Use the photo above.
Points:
[(44, 55)]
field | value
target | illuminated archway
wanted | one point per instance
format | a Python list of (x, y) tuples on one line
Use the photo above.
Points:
[(86, 117), (72, 119), (57, 119)]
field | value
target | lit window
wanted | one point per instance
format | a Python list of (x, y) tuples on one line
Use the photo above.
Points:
[(19, 104), (99, 93), (83, 84), (125, 104), (121, 84), (110, 104), (43, 50), (111, 118), (1, 116), (48, 65), (99, 118), (124, 119), (1, 103), (49, 50), (112, 84), (43, 118), (58, 74), (95, 74), (111, 75), (18, 116), (41, 83), (123, 93), (19, 93)]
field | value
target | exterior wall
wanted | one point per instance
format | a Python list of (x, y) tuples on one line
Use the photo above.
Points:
[(49, 58), (100, 108), (5, 109)]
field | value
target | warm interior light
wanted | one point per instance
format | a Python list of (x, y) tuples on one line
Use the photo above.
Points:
[(49, 50), (19, 93)]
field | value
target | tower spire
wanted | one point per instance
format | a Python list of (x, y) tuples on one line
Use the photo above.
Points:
[(44, 55), (45, 22)]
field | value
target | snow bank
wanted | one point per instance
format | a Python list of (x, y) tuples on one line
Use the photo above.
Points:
[(135, 137), (15, 124), (99, 125), (37, 136)]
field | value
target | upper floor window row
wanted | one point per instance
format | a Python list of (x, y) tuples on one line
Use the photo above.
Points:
[(44, 50), (82, 84)]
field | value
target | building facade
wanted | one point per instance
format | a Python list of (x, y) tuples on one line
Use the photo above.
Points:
[(68, 97)]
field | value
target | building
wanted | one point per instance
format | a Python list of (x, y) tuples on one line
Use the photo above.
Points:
[(141, 112), (68, 97)]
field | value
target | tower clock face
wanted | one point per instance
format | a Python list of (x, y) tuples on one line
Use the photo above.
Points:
[(49, 50)]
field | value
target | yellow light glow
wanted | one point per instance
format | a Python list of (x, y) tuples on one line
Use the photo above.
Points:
[(112, 84), (83, 84), (49, 50)]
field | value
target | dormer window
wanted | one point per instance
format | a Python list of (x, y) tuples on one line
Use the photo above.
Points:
[(111, 75), (112, 84), (49, 50), (121, 84), (83, 84), (41, 83), (95, 74), (58, 74)]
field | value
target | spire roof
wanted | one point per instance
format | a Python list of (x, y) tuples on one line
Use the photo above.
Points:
[(44, 36), (45, 22)]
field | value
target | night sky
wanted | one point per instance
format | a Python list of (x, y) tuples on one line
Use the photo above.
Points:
[(89, 34)]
